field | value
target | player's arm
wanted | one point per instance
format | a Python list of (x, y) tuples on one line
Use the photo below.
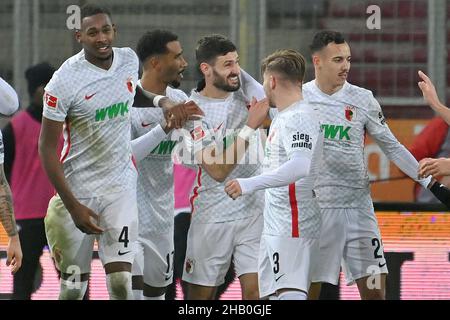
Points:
[(175, 113), (431, 97), (14, 251), (143, 145), (377, 128), (48, 144), (253, 89), (299, 163), (297, 167), (9, 102), (441, 192), (220, 163)]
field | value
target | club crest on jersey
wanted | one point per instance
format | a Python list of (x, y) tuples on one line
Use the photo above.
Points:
[(130, 85), (198, 133), (50, 101), (189, 265), (350, 113)]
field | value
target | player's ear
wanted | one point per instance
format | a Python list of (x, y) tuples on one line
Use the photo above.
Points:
[(205, 68), (78, 36), (114, 29), (315, 59), (272, 82), (154, 62)]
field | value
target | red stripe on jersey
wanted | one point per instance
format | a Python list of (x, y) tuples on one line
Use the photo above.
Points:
[(68, 142), (294, 210), (199, 184)]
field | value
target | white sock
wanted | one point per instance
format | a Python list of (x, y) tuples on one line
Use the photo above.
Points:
[(119, 285), (70, 290), (292, 295), (138, 295), (163, 297)]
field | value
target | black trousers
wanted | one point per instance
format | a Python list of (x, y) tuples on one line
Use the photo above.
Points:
[(181, 228), (32, 239)]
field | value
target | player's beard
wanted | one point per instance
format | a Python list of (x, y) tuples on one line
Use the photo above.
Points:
[(221, 83), (175, 84)]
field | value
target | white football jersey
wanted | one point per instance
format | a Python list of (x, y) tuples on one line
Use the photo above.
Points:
[(295, 128), (95, 105), (346, 116), (155, 172), (222, 121)]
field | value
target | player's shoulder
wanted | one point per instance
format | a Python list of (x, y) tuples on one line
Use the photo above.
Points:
[(126, 52), (308, 86), (195, 95), (300, 112), (72, 64), (127, 57), (176, 95), (357, 93), (65, 78), (354, 89)]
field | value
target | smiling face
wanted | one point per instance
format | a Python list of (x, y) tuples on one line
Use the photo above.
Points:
[(332, 63), (96, 36), (224, 72), (172, 64)]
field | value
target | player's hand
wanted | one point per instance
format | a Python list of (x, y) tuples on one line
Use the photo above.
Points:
[(86, 220), (233, 189), (14, 254), (434, 167), (176, 115), (428, 90), (257, 112)]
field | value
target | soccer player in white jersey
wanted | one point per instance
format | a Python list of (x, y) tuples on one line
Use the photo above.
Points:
[(163, 63), (350, 232), (91, 95), (222, 229), (293, 150), (9, 102)]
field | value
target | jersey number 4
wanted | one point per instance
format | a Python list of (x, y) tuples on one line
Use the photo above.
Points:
[(124, 236)]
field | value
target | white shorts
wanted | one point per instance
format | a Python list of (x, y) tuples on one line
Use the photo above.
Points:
[(285, 263), (210, 247), (72, 249), (351, 238), (154, 259)]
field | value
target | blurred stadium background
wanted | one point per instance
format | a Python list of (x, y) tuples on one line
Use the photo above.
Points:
[(414, 35)]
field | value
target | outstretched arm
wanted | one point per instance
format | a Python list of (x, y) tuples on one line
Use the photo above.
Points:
[(292, 170), (431, 97)]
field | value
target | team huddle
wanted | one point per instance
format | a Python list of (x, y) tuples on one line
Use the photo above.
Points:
[(288, 207)]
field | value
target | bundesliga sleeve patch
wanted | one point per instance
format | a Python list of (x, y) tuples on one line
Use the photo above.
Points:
[(198, 133), (50, 101)]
